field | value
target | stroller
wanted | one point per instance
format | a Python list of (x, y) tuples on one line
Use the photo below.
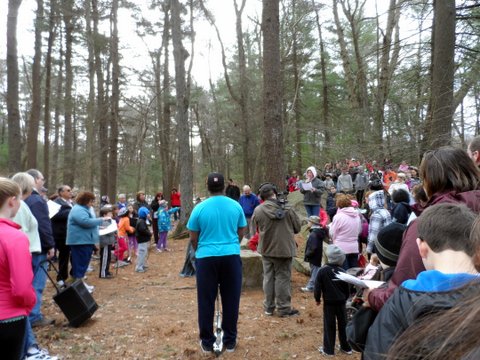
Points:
[(355, 302)]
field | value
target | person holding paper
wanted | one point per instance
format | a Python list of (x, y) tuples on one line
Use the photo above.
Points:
[(312, 189), (59, 227), (335, 294)]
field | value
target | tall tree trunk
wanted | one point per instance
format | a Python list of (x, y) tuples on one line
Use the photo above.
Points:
[(325, 104), (58, 109), (388, 63), (440, 119), (90, 120), (14, 138), (52, 33), (35, 112), (181, 116), (68, 165), (166, 123), (101, 111), (272, 94), (114, 101), (296, 85)]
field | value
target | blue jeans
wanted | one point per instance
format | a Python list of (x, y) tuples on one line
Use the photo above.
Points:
[(313, 275), (312, 210), (81, 255), (212, 272), (39, 281), (29, 339)]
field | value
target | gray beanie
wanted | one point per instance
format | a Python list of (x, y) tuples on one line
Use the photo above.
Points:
[(335, 255)]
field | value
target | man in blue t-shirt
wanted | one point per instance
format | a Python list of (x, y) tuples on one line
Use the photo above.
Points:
[(216, 227)]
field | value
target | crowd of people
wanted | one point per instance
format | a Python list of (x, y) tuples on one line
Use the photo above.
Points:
[(415, 228), (38, 230)]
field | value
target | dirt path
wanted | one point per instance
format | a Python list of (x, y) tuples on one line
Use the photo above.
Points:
[(154, 316)]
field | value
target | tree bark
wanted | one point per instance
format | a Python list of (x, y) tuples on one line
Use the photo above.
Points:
[(272, 94), (14, 138), (90, 120), (440, 119), (52, 34), (68, 165), (35, 111), (102, 109), (114, 107), (181, 116)]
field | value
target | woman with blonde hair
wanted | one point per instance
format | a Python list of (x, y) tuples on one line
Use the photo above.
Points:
[(17, 296)]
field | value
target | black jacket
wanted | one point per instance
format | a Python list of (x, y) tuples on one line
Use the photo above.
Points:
[(401, 213), (142, 232), (59, 221), (314, 246), (401, 310), (335, 291)]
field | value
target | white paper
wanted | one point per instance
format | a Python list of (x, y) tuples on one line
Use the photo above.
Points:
[(109, 229), (53, 208), (306, 186), (366, 284)]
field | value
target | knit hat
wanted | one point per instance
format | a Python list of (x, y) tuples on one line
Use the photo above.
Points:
[(163, 203), (215, 182), (335, 255), (143, 212), (314, 219), (388, 243), (123, 211)]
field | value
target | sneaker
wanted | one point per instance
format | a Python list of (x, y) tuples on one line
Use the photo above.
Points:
[(268, 313), (159, 250), (348, 352), (90, 268), (34, 353), (108, 276), (231, 347), (43, 322), (120, 264), (320, 350), (206, 349), (140, 270), (90, 288), (306, 289), (291, 312), (61, 283)]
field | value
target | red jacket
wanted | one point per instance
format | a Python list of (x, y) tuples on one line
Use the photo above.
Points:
[(17, 296), (175, 199), (409, 262)]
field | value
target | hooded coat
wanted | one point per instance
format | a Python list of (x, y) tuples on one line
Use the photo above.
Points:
[(313, 197), (345, 228), (276, 234)]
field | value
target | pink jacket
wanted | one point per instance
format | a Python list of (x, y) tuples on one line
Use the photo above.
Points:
[(345, 228), (17, 296)]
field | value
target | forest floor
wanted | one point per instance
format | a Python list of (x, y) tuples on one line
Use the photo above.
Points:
[(154, 316)]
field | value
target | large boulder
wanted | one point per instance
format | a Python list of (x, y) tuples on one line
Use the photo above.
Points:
[(252, 269)]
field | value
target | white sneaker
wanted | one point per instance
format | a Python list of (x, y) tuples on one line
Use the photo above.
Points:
[(61, 283), (39, 354), (90, 288), (90, 268)]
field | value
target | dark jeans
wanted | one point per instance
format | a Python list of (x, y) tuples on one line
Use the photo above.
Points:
[(212, 272), (11, 338), (63, 259), (331, 315), (81, 255), (155, 230), (351, 260)]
